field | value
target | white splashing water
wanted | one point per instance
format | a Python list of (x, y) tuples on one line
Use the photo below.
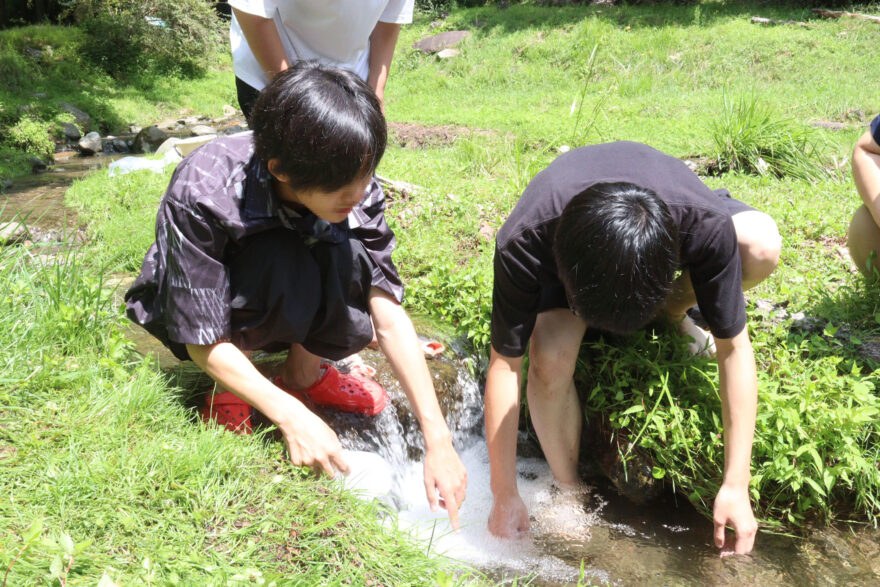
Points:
[(397, 479)]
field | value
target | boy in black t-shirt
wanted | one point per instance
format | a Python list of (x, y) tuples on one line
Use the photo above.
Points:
[(864, 229), (597, 240)]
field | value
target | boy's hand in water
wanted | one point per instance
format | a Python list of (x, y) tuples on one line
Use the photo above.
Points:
[(311, 443), (509, 517), (733, 508), (446, 475)]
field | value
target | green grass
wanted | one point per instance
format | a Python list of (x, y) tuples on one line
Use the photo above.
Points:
[(99, 446), (106, 472)]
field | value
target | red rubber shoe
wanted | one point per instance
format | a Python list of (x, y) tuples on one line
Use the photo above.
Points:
[(346, 393), (229, 410)]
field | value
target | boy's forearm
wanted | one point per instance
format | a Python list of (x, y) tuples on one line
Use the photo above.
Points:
[(264, 42), (383, 40), (399, 342), (739, 401), (502, 419), (234, 372)]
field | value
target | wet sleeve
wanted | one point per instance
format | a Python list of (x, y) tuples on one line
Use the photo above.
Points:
[(369, 226), (194, 293), (264, 8), (516, 294), (398, 12), (716, 275), (875, 129)]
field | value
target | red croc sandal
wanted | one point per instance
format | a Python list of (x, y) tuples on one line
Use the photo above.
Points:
[(229, 410), (343, 392)]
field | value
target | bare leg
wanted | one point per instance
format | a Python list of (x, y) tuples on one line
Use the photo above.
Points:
[(759, 247), (301, 369), (863, 238), (553, 402)]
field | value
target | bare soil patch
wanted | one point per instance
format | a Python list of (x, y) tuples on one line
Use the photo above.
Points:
[(416, 136)]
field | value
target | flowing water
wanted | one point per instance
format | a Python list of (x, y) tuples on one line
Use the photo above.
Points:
[(594, 536)]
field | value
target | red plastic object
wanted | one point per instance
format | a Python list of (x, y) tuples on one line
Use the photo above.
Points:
[(432, 348), (228, 410), (346, 393)]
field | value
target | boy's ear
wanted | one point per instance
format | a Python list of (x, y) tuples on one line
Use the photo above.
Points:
[(273, 165)]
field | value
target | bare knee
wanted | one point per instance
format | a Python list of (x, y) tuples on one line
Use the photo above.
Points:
[(863, 241), (759, 245), (551, 372)]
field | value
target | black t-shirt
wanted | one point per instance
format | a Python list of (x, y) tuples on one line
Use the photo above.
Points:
[(875, 129), (525, 267)]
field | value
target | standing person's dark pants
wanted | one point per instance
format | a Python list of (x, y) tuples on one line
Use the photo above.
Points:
[(247, 96)]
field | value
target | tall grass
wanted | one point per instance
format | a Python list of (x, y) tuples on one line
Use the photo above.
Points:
[(749, 138)]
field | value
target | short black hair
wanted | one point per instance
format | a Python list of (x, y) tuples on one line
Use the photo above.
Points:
[(617, 252), (323, 124)]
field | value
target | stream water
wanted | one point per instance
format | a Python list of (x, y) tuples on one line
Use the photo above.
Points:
[(595, 536)]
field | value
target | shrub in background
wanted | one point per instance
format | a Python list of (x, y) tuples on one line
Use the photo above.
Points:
[(169, 35), (32, 136)]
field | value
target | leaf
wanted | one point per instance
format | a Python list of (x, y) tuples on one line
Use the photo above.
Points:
[(658, 472), (633, 410), (106, 581), (35, 529), (56, 566), (815, 486), (66, 543)]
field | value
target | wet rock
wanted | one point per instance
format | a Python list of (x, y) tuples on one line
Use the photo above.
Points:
[(5, 185), (71, 131), (36, 164), (234, 128), (149, 139), (201, 130), (436, 43), (90, 144), (448, 53), (116, 145), (13, 233), (83, 120)]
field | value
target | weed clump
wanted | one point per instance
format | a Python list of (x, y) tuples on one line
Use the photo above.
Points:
[(750, 139)]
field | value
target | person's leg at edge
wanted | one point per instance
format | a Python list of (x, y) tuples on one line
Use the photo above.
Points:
[(863, 238), (301, 369), (759, 248), (553, 401)]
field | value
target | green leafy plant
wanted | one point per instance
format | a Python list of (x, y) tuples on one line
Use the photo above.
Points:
[(32, 136)]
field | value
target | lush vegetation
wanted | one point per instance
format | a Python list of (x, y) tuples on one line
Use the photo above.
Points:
[(45, 68), (106, 470)]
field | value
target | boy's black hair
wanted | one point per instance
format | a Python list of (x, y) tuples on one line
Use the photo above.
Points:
[(616, 248), (323, 124)]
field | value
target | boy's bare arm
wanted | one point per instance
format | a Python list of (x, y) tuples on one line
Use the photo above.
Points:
[(310, 441), (383, 40), (866, 173), (444, 471), (739, 401), (508, 517), (262, 37)]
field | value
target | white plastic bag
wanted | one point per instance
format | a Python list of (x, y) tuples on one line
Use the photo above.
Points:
[(129, 164)]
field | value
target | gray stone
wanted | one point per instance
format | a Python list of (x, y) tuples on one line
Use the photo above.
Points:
[(448, 53), (40, 95), (440, 41), (12, 233), (5, 185), (83, 120), (90, 144), (71, 131), (36, 164), (201, 130), (134, 129), (229, 110), (149, 139)]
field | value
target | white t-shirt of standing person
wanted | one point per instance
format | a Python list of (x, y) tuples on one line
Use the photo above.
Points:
[(334, 32)]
